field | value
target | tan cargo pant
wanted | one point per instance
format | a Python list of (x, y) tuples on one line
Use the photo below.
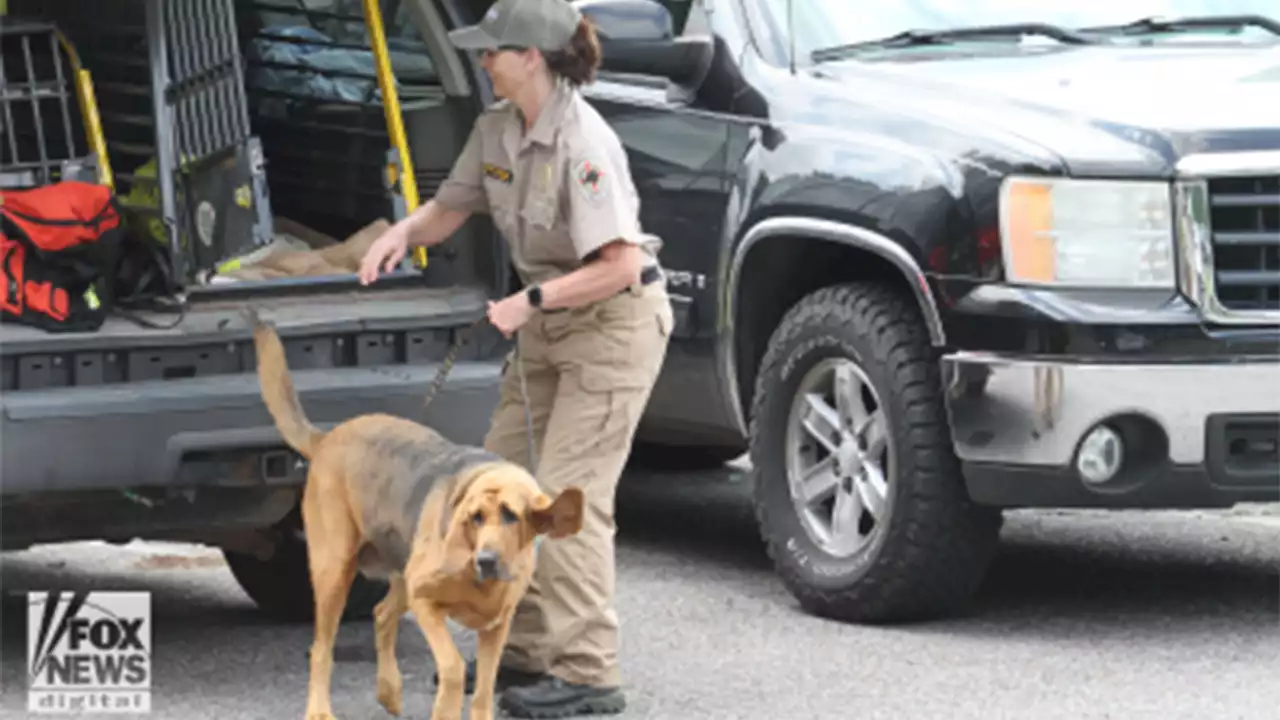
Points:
[(589, 373)]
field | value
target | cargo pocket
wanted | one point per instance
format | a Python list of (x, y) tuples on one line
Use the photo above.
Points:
[(618, 393), (546, 242), (541, 214), (631, 332)]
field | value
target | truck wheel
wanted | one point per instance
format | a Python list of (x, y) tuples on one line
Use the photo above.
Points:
[(281, 584), (858, 495)]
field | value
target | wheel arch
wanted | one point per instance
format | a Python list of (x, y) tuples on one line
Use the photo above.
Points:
[(783, 258)]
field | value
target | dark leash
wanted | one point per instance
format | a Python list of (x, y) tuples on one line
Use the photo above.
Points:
[(450, 358), (464, 335)]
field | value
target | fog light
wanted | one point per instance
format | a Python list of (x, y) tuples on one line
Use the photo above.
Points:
[(1100, 455)]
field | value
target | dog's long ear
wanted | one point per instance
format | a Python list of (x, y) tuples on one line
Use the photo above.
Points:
[(559, 518), (448, 552), (454, 521), (456, 551)]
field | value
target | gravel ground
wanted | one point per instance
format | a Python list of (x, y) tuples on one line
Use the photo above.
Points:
[(1137, 615)]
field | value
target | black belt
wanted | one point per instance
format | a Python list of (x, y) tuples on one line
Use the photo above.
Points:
[(649, 275)]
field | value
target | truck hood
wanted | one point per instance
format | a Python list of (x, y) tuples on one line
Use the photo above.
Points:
[(1105, 109)]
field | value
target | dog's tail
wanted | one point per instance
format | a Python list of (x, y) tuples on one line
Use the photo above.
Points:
[(277, 388)]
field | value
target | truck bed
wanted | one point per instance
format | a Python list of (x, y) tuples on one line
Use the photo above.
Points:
[(131, 407), (320, 329), (218, 320)]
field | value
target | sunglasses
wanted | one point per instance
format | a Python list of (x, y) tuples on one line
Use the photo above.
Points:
[(502, 48)]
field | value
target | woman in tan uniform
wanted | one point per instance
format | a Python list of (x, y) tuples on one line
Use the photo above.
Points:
[(593, 322)]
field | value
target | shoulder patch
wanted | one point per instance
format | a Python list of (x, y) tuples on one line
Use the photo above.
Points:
[(590, 179)]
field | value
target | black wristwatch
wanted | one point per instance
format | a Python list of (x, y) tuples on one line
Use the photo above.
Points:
[(534, 293)]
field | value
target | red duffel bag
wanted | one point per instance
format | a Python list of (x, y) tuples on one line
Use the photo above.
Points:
[(59, 248)]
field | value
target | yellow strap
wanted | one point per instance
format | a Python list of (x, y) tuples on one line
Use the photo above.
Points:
[(391, 108), (88, 101), (93, 126)]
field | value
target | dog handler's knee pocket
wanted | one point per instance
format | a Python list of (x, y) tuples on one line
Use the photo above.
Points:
[(616, 389)]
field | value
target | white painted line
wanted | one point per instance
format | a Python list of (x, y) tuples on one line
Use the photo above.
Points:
[(1265, 521)]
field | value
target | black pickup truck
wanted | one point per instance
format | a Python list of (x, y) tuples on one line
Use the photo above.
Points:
[(932, 263), (927, 264)]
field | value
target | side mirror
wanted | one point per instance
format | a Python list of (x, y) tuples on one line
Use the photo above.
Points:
[(628, 20), (636, 37)]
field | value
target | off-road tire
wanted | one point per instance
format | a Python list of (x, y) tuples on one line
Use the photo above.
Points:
[(935, 549), (281, 585)]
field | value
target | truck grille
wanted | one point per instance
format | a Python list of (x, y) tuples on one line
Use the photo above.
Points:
[(1244, 215)]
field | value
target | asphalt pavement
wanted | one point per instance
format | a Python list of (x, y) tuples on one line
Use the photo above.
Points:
[(1126, 616)]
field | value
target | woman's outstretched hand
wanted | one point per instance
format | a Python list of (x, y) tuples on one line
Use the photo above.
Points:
[(386, 253)]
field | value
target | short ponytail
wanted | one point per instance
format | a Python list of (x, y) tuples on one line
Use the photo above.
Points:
[(579, 61)]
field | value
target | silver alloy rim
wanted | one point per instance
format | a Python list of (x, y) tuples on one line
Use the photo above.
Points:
[(839, 457)]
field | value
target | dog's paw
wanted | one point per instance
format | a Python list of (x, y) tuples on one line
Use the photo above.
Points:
[(321, 716), (391, 694)]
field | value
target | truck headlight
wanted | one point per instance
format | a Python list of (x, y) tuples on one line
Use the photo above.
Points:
[(1087, 233)]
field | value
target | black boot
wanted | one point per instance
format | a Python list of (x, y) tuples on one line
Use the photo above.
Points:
[(507, 677), (553, 697)]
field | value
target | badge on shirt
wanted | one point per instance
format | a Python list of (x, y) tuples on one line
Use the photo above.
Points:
[(590, 180), (497, 173)]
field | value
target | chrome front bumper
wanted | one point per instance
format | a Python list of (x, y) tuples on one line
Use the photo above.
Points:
[(1031, 415)]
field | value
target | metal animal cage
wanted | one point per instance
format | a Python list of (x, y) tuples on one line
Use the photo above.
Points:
[(183, 108), (47, 100), (173, 110)]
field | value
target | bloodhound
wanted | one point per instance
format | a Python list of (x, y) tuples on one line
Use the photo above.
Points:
[(452, 529)]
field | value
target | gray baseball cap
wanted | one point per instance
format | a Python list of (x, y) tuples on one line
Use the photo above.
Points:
[(548, 25)]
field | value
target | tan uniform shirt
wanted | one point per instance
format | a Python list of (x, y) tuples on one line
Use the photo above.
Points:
[(556, 193)]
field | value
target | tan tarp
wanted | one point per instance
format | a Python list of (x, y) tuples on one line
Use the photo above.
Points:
[(285, 262)]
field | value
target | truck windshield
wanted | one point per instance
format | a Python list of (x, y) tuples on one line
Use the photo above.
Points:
[(832, 23)]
